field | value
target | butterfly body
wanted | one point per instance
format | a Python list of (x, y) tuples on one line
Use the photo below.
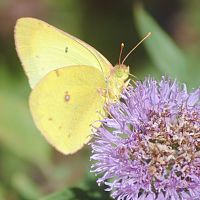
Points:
[(70, 81)]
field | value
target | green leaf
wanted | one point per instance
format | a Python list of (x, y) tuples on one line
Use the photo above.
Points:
[(89, 191), (164, 53), (25, 186), (78, 194), (66, 194)]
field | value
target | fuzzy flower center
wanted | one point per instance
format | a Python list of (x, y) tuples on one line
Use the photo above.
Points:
[(168, 145)]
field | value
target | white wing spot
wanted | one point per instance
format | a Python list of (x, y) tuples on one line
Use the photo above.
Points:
[(67, 96)]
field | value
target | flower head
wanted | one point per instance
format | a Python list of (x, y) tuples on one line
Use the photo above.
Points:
[(150, 146)]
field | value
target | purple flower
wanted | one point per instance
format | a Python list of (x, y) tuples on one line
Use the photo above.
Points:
[(150, 146)]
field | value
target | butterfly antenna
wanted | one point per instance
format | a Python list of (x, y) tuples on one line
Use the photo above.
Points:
[(120, 54), (148, 34)]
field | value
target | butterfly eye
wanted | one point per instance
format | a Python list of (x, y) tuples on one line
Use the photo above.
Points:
[(119, 73)]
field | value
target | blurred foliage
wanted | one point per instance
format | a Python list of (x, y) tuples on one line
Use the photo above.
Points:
[(162, 50), (30, 168), (87, 190)]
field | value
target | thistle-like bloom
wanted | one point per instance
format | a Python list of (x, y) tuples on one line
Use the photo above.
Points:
[(149, 147)]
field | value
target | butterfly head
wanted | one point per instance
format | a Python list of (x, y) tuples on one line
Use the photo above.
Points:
[(118, 78), (116, 82), (121, 71)]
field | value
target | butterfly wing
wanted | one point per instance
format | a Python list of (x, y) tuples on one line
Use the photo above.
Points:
[(65, 103), (43, 48)]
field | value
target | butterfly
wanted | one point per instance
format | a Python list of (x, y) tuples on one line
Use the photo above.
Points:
[(71, 82)]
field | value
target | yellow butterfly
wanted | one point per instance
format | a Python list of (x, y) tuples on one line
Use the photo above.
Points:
[(70, 81)]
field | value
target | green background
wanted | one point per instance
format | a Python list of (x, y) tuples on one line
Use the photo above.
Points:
[(29, 167)]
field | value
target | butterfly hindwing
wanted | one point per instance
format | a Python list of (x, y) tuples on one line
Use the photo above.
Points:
[(65, 103)]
